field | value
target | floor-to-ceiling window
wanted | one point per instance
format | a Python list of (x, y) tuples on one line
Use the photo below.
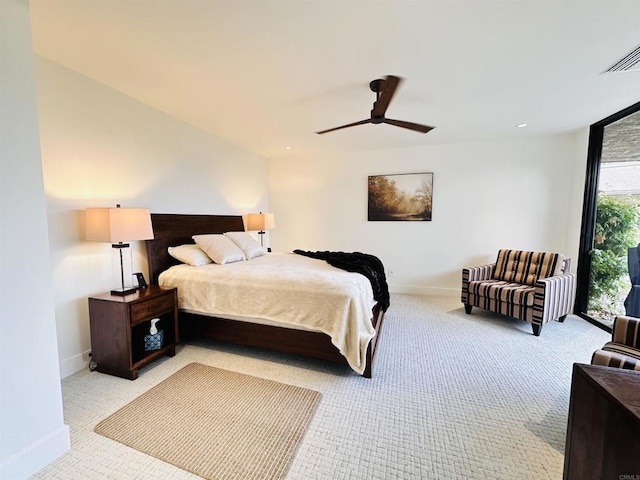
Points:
[(610, 222)]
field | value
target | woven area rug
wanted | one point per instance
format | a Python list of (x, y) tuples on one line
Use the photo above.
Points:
[(216, 423)]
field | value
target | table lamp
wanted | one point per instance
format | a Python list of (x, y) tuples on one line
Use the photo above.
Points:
[(118, 226), (259, 222)]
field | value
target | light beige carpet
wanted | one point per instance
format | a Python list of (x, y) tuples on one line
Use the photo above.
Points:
[(216, 423)]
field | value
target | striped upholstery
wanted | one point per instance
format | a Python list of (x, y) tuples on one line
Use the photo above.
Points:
[(523, 312), (621, 349), (503, 291), (554, 298), (615, 359), (483, 272), (519, 266), (624, 349), (626, 330), (494, 287)]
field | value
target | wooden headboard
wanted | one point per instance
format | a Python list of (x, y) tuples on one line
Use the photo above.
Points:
[(170, 230)]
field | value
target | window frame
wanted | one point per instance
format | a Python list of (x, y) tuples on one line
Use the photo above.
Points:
[(589, 206)]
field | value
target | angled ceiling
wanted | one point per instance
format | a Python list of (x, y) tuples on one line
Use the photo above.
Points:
[(268, 74)]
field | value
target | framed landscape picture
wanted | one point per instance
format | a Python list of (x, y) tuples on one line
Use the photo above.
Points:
[(400, 197)]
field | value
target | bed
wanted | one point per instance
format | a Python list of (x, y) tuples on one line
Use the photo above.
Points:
[(174, 229)]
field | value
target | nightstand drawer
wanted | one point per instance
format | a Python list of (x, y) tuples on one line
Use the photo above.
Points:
[(151, 308)]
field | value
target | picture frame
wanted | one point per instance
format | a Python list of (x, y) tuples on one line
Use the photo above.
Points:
[(400, 197)]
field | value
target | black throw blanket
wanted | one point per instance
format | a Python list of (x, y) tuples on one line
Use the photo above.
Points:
[(368, 265)]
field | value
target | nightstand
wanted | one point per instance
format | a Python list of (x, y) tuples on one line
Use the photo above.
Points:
[(119, 325)]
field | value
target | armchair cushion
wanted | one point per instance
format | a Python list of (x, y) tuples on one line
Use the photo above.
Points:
[(621, 349), (504, 291), (519, 266), (624, 349)]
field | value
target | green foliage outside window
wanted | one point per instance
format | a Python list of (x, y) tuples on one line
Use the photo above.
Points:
[(617, 229)]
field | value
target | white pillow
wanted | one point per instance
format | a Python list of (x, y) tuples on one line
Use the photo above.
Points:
[(247, 244), (219, 248), (190, 254)]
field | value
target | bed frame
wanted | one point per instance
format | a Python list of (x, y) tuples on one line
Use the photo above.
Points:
[(174, 229)]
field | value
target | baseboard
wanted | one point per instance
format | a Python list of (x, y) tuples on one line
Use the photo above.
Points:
[(74, 364), (37, 455), (429, 291)]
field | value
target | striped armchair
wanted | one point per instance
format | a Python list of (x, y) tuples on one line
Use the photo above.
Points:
[(533, 286), (623, 351)]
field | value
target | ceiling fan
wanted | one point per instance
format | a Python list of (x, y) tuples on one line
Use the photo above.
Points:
[(384, 90)]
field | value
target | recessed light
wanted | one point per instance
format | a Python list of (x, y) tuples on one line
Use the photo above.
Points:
[(521, 125), (288, 147)]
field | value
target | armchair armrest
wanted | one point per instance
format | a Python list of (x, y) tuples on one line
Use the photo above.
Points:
[(626, 331), (470, 274), (482, 272), (554, 297), (610, 358)]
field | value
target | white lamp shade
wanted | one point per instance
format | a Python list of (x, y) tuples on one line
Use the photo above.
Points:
[(115, 225), (260, 222)]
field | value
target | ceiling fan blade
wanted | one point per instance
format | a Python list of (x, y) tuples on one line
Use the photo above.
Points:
[(388, 90), (362, 122), (411, 126)]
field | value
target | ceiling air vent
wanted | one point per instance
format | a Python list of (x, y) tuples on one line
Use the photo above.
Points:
[(631, 61)]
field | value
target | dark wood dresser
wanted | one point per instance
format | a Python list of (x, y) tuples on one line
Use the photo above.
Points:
[(603, 434)]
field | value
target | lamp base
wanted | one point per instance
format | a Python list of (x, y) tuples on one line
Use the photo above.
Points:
[(123, 291)]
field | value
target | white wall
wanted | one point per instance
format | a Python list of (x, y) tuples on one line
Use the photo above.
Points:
[(518, 193), (99, 148), (32, 432), (575, 182)]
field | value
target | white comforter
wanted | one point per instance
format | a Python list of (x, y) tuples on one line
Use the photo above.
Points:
[(285, 288)]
